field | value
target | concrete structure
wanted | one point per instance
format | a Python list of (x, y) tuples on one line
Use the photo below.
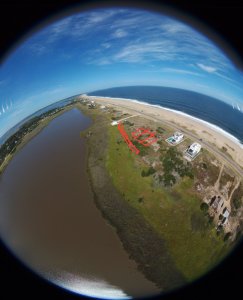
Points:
[(175, 139), (192, 151), (226, 213), (217, 203), (113, 123)]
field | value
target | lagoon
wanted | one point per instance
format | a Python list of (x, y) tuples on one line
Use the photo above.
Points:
[(49, 220)]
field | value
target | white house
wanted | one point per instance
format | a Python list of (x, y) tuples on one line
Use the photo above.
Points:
[(178, 136), (175, 139), (193, 150), (113, 123)]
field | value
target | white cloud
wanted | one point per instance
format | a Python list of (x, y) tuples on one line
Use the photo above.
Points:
[(120, 33), (106, 45), (171, 39), (61, 26), (146, 51), (103, 61), (76, 27), (205, 68), (175, 27), (181, 71), (38, 49)]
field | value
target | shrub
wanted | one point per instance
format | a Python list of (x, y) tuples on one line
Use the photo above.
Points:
[(227, 235), (219, 230), (143, 150), (169, 179), (150, 171), (204, 207), (204, 166), (237, 202), (210, 219), (160, 130)]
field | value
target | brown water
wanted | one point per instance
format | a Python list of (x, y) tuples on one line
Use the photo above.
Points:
[(49, 220)]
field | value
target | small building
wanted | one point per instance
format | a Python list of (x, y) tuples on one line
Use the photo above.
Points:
[(226, 213), (224, 221), (217, 203), (212, 200), (91, 104), (176, 138), (193, 150), (113, 123)]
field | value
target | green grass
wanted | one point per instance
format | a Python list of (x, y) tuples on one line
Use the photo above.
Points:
[(174, 213)]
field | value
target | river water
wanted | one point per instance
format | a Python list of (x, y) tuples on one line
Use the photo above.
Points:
[(49, 220)]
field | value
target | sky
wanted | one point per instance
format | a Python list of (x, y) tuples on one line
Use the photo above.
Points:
[(106, 48)]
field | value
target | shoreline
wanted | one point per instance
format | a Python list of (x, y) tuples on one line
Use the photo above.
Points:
[(206, 123), (203, 129)]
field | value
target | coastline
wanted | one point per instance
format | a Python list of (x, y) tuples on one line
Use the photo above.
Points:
[(203, 129), (206, 123)]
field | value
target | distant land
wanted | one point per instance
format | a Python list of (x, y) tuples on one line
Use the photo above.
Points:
[(15, 128)]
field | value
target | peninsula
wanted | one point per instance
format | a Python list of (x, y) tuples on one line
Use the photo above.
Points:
[(189, 203), (170, 185)]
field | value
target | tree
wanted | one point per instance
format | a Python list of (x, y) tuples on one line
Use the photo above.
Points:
[(169, 179), (237, 202), (150, 171), (204, 207)]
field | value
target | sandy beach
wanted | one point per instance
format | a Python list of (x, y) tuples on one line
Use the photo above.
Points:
[(208, 133)]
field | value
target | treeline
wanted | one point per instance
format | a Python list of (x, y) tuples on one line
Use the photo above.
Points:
[(173, 164), (10, 145)]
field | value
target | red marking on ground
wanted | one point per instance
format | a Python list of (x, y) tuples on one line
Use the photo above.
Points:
[(131, 146), (149, 136)]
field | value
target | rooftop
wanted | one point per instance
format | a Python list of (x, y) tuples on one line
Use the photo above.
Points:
[(194, 149)]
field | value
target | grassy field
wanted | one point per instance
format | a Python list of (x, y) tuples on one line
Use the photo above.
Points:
[(173, 213), (138, 237)]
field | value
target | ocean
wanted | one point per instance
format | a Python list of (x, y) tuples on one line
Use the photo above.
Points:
[(200, 106)]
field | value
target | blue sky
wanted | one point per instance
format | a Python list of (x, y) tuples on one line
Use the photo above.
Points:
[(107, 48)]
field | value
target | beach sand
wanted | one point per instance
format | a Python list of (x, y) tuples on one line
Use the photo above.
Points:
[(208, 133)]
